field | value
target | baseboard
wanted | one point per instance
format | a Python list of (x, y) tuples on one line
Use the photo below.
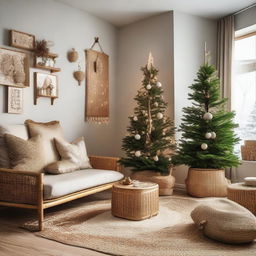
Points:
[(180, 186)]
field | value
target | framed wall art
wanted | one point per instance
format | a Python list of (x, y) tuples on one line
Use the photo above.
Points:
[(14, 68), (22, 40), (46, 85), (15, 100)]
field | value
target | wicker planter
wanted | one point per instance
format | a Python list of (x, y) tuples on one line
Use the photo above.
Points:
[(166, 183), (206, 182)]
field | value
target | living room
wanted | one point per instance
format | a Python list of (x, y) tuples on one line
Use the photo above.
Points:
[(116, 76)]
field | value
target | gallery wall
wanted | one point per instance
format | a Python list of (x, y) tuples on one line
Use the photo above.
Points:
[(66, 27)]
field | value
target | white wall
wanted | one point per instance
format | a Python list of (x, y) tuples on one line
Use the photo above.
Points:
[(135, 41), (190, 33), (68, 28)]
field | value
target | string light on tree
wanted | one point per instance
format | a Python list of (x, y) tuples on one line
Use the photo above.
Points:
[(137, 153), (156, 158), (135, 118)]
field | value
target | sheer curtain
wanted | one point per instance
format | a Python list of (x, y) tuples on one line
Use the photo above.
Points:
[(225, 48)]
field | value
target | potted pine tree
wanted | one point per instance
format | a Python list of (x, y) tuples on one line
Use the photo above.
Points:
[(149, 143), (208, 137)]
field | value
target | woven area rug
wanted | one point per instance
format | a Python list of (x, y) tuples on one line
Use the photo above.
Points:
[(170, 233)]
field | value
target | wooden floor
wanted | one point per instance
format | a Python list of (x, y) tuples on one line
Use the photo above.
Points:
[(15, 241)]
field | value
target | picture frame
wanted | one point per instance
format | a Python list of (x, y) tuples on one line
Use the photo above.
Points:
[(45, 85), (14, 68), (22, 40), (14, 100)]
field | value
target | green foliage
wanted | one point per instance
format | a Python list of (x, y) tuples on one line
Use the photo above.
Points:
[(156, 133), (205, 97)]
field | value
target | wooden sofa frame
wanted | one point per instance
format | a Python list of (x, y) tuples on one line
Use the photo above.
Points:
[(24, 189)]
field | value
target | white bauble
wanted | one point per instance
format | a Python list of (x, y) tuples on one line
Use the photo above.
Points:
[(156, 104), (207, 116), (135, 118), (137, 137), (158, 84), (148, 86), (137, 153), (204, 146), (163, 133), (155, 158), (213, 135), (159, 115), (208, 135)]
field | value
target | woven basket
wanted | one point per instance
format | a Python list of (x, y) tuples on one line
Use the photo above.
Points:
[(166, 183), (243, 195), (248, 152), (206, 182)]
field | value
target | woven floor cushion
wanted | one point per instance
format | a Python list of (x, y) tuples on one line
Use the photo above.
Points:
[(225, 221)]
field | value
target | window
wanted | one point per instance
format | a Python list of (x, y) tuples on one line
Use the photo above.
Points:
[(244, 86)]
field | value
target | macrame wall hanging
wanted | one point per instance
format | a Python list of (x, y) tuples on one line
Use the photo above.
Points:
[(97, 85)]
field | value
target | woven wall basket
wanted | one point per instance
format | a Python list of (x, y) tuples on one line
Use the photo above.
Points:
[(166, 183), (206, 182)]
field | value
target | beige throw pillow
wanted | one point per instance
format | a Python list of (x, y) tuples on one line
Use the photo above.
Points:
[(74, 152), (19, 130), (25, 155), (63, 166), (47, 131)]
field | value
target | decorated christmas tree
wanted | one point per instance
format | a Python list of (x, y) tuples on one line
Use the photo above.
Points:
[(149, 143), (249, 131), (208, 137)]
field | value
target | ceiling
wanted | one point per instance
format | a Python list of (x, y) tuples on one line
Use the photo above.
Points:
[(123, 12)]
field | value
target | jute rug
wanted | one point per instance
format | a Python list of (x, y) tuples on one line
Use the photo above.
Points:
[(170, 233)]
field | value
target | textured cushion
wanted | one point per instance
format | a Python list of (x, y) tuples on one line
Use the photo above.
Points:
[(63, 184), (250, 181), (17, 130), (225, 221), (25, 155), (62, 166), (47, 131), (74, 152)]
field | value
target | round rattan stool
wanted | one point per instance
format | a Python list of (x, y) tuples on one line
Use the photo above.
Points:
[(135, 202), (243, 195)]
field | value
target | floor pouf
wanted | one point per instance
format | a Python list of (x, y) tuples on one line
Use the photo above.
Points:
[(225, 221), (243, 195)]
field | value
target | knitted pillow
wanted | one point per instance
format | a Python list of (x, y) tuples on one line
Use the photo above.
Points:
[(225, 221), (47, 131), (25, 155), (74, 152)]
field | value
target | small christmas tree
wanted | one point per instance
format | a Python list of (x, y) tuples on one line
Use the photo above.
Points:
[(150, 134), (208, 136), (249, 131)]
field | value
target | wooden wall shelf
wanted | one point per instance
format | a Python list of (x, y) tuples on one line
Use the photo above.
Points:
[(45, 96), (52, 69)]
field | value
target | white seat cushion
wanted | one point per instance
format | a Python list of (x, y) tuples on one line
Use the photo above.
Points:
[(18, 130), (63, 184)]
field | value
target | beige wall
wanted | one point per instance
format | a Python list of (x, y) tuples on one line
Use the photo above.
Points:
[(67, 27), (135, 41), (190, 33)]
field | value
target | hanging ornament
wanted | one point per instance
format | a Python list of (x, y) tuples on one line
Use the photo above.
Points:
[(213, 135), (208, 135), (137, 137), (204, 146), (156, 158), (135, 118), (137, 153), (163, 133), (159, 115), (156, 104), (207, 116), (158, 84), (148, 86)]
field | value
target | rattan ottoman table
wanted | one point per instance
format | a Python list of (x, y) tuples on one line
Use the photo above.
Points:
[(243, 195), (137, 201)]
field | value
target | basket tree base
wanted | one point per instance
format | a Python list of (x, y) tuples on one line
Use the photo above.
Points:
[(206, 182), (166, 183)]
